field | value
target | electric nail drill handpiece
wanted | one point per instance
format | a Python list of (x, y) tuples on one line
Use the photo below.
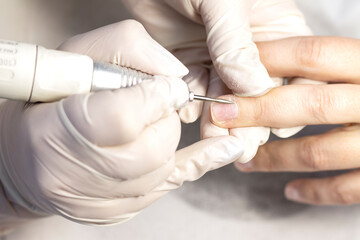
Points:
[(35, 74)]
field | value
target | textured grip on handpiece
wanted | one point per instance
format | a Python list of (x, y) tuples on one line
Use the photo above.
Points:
[(110, 76)]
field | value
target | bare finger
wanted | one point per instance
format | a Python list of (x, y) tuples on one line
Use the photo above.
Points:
[(291, 106), (334, 150), (319, 58), (340, 190)]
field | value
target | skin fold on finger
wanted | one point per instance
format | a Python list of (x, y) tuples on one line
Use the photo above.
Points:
[(291, 106), (277, 20), (288, 132), (320, 58), (334, 150), (272, 21), (339, 190)]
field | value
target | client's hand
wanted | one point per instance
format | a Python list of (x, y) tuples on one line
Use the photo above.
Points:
[(322, 58)]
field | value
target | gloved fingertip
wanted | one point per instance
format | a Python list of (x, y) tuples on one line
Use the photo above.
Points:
[(286, 132), (177, 68), (233, 149), (169, 65), (244, 167), (252, 139), (176, 91), (246, 157), (191, 112)]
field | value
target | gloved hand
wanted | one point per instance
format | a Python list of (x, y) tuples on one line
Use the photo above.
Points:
[(205, 32), (199, 32), (101, 158)]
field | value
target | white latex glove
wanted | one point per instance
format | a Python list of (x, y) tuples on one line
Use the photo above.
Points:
[(101, 158), (199, 32), (270, 20), (205, 32), (189, 28), (226, 29)]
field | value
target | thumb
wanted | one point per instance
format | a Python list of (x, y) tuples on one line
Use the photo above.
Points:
[(127, 44), (234, 54)]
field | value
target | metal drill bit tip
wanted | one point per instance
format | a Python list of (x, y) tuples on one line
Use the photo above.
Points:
[(204, 98)]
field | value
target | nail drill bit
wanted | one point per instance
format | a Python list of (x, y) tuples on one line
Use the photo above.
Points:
[(193, 97)]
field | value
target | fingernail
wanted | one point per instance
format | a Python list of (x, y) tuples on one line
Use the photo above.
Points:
[(245, 167), (292, 193), (223, 112)]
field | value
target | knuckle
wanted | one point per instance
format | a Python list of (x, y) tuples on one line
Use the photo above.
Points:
[(260, 110), (314, 157), (308, 52), (130, 25), (319, 103), (269, 165), (133, 30), (266, 161), (137, 39), (342, 196), (313, 194)]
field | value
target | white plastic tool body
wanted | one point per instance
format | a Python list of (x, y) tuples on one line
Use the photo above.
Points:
[(32, 73)]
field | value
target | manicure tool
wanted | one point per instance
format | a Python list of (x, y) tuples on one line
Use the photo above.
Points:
[(35, 74)]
